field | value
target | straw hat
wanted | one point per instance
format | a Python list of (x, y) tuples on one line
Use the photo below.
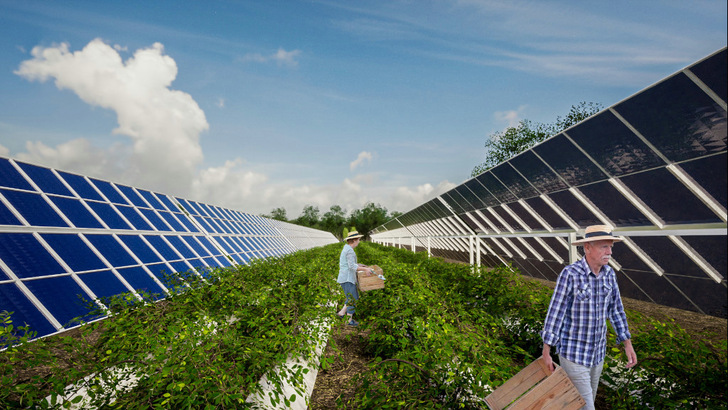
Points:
[(353, 235), (597, 233)]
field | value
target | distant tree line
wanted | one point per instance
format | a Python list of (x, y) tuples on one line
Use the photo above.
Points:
[(504, 145), (336, 220)]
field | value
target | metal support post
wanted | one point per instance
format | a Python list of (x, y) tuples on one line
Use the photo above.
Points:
[(573, 254)]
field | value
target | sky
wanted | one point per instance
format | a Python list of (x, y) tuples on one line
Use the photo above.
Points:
[(256, 105)]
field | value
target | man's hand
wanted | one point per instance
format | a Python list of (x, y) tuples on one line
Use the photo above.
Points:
[(547, 357), (631, 355)]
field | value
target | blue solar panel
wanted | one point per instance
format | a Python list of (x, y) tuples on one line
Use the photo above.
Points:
[(26, 257), (111, 250), (209, 246), (92, 228), (103, 283), (172, 221), (109, 192), (74, 210), (179, 245), (11, 178), (140, 280), (64, 297), (187, 206), (33, 208), (7, 217), (151, 199), (168, 203), (139, 248), (158, 243), (154, 219), (132, 215), (195, 245), (81, 186), (45, 179), (107, 213), (23, 311), (132, 195), (73, 251)]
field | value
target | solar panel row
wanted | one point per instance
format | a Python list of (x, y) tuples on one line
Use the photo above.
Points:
[(653, 165), (66, 239)]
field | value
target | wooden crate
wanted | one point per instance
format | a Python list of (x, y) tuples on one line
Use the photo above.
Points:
[(535, 387), (369, 281)]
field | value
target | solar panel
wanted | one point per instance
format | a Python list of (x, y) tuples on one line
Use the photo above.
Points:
[(67, 241), (653, 166)]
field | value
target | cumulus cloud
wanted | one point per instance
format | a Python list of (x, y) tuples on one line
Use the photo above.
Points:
[(280, 57), (163, 128), (163, 124), (362, 158)]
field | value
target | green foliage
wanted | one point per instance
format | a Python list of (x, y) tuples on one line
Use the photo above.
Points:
[(278, 214), (368, 218), (440, 335), (205, 346), (504, 145), (439, 331), (674, 370)]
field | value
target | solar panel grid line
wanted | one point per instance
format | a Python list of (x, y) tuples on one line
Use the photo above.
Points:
[(499, 219), (530, 249), (563, 215), (140, 263), (698, 191), (632, 198), (639, 135), (707, 90), (604, 219), (30, 181), (696, 258), (680, 291), (656, 268), (510, 212)]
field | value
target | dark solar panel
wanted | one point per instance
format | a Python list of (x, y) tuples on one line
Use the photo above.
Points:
[(653, 165)]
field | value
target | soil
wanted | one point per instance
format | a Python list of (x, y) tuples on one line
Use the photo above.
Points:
[(346, 344)]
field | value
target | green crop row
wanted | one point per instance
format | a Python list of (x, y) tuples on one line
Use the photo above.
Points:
[(440, 335)]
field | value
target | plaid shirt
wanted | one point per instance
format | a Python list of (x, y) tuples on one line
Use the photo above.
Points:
[(576, 320)]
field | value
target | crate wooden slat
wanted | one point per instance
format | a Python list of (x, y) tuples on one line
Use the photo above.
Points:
[(535, 387), (368, 281)]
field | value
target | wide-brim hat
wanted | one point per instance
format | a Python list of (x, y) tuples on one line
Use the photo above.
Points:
[(597, 233), (353, 235)]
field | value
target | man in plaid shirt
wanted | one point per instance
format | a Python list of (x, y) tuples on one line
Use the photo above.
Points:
[(586, 295)]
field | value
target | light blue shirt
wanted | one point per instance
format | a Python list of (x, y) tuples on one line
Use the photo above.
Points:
[(347, 265)]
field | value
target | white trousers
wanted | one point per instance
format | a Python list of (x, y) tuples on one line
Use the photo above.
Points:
[(585, 379)]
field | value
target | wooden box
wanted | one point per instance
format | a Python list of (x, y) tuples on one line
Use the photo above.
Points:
[(369, 281), (535, 387)]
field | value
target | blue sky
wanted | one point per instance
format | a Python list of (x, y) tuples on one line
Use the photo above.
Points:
[(254, 105)]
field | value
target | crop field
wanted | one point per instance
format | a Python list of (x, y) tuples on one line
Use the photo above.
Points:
[(440, 335)]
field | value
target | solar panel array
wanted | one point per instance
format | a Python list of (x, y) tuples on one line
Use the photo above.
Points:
[(64, 237), (653, 166)]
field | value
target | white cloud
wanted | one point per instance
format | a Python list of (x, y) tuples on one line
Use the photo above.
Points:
[(163, 127), (404, 198), (280, 57), (510, 117), (220, 103), (163, 124), (363, 157)]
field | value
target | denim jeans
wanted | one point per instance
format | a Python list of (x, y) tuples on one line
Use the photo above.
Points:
[(352, 295), (585, 379)]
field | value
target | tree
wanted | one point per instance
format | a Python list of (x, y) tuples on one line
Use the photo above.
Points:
[(278, 214), (368, 218), (309, 217), (334, 220), (504, 145)]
